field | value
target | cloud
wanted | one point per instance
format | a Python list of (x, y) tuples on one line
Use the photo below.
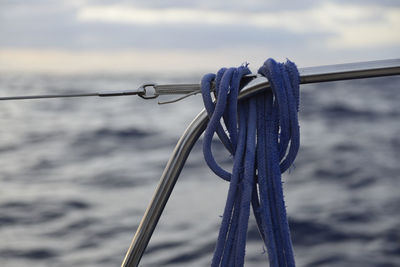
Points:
[(108, 35), (348, 25)]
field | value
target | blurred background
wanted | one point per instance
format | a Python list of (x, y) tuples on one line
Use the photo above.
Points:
[(181, 36), (77, 174)]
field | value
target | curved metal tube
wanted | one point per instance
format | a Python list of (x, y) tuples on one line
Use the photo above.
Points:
[(199, 124), (164, 189)]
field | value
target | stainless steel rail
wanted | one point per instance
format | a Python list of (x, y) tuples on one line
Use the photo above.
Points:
[(329, 73), (318, 74), (198, 125), (308, 75), (164, 189)]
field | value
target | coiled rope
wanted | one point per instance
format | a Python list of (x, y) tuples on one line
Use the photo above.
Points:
[(262, 134)]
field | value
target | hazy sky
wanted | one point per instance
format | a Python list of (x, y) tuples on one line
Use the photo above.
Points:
[(131, 36)]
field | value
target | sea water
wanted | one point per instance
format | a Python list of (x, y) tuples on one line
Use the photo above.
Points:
[(77, 174)]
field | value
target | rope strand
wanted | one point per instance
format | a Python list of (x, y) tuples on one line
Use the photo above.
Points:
[(263, 137)]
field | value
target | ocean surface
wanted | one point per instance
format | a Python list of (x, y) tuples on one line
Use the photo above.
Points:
[(77, 174)]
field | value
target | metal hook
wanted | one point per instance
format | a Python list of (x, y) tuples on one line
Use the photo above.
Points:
[(144, 94)]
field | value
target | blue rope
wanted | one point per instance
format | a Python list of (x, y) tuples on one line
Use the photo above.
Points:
[(262, 134)]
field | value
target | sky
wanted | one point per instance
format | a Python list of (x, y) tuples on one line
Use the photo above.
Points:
[(75, 36)]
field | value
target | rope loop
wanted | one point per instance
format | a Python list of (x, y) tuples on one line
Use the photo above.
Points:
[(262, 134)]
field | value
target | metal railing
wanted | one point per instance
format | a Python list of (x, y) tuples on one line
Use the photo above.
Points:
[(198, 125)]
